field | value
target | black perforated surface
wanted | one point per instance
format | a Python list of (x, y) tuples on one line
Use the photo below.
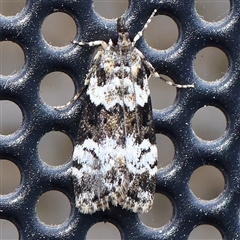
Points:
[(175, 122)]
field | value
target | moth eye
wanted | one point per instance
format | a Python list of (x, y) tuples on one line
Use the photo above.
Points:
[(115, 111), (146, 136), (105, 120), (114, 38), (89, 134), (131, 36)]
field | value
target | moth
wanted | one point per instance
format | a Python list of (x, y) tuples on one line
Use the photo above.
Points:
[(115, 156)]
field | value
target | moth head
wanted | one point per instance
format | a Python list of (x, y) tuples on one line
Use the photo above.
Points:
[(122, 36)]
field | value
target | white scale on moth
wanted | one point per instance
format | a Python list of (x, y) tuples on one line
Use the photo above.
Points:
[(115, 155)]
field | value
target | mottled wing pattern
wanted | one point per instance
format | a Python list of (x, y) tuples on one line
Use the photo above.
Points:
[(141, 141), (115, 158)]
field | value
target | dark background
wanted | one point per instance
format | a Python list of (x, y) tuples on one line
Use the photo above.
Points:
[(57, 88)]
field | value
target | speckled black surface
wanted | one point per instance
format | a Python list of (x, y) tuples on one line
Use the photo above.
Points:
[(191, 152)]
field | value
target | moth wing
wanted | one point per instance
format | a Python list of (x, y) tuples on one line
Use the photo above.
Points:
[(141, 157), (99, 169)]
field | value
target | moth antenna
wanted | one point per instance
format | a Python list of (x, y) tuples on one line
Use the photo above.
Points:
[(140, 33)]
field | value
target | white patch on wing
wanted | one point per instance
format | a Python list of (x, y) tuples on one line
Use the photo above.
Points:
[(118, 91), (97, 160), (137, 157)]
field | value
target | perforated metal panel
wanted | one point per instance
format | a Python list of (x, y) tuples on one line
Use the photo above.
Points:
[(175, 122)]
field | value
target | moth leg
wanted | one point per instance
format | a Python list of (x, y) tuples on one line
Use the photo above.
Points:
[(155, 74), (96, 60), (72, 100), (95, 64), (92, 44), (148, 64)]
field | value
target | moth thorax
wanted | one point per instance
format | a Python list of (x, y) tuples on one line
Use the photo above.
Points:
[(123, 40)]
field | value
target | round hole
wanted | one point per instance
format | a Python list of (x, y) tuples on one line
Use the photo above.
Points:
[(10, 117), (211, 64), (11, 7), (57, 89), (12, 58), (110, 9), (212, 11), (207, 182), (59, 29), (8, 230), (103, 231), (209, 123), (53, 208), (162, 94), (161, 33), (160, 214), (166, 150), (205, 232), (10, 176), (55, 148)]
